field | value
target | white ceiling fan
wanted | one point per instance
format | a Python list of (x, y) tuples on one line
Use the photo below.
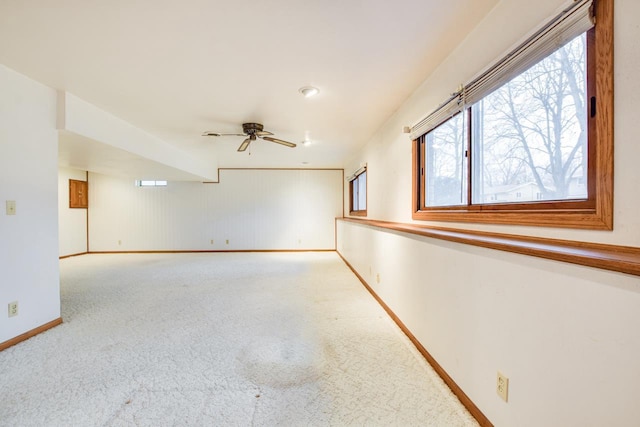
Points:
[(252, 131)]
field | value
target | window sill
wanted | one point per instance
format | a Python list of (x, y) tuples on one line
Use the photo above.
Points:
[(592, 219), (623, 259)]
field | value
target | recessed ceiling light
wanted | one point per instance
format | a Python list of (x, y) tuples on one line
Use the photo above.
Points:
[(309, 91)]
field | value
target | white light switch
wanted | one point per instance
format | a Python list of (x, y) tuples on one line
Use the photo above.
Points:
[(11, 207)]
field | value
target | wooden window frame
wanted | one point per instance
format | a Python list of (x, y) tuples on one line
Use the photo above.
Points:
[(595, 212), (360, 212)]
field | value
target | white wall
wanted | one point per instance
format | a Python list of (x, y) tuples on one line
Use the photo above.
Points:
[(565, 335), (28, 171), (253, 209), (72, 223), (569, 337)]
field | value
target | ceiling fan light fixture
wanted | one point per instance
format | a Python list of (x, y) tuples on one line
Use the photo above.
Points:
[(309, 91)]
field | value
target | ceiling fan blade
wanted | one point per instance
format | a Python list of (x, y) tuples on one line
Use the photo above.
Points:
[(223, 134), (263, 133), (244, 144), (279, 141)]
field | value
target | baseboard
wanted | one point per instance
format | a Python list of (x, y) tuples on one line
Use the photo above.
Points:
[(198, 251), (23, 337), (464, 399), (72, 255)]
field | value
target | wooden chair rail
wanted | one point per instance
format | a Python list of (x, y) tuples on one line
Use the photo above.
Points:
[(623, 259)]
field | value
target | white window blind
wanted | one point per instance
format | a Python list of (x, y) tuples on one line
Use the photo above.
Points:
[(355, 174), (574, 20)]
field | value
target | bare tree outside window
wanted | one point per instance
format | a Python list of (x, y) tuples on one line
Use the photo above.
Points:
[(446, 163), (531, 134), (529, 140)]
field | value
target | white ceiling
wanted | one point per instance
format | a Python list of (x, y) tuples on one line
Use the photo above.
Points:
[(176, 69)]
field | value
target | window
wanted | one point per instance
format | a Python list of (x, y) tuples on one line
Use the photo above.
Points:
[(530, 140), (445, 168), (147, 183), (358, 192)]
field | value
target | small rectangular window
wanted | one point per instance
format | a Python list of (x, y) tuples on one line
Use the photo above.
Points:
[(148, 183), (358, 194)]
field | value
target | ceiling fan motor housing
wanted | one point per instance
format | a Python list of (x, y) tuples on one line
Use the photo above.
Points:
[(251, 128)]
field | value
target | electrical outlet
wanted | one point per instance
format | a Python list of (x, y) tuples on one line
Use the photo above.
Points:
[(212, 241), (13, 308), (502, 386), (119, 242), (11, 207), (227, 241), (378, 278)]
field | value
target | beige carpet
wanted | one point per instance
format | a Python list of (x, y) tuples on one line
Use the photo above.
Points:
[(230, 339)]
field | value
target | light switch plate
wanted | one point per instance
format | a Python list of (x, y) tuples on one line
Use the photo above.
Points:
[(11, 207)]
